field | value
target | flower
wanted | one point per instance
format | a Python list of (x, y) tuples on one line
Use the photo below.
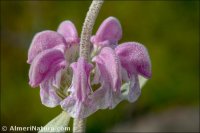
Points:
[(114, 68), (49, 55), (115, 64)]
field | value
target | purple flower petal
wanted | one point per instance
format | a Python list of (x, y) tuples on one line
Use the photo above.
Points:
[(131, 90), (48, 94), (134, 91), (109, 67), (134, 58), (42, 41), (78, 109), (78, 104), (80, 81), (108, 72), (104, 97), (45, 66), (69, 32), (109, 33)]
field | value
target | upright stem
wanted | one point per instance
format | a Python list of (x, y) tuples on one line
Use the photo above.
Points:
[(88, 26), (79, 124)]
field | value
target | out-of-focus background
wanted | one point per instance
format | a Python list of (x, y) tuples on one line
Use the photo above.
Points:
[(170, 31)]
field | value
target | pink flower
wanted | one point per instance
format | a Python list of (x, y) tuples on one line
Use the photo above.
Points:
[(69, 81), (49, 55), (116, 64)]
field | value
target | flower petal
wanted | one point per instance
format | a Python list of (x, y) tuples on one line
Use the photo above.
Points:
[(42, 41), (57, 78), (134, 58), (48, 94), (80, 81), (109, 33), (69, 32), (78, 104), (104, 97), (78, 109), (109, 67), (131, 90), (45, 65), (108, 72)]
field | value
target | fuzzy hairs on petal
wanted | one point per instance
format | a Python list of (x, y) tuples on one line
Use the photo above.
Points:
[(68, 30), (45, 65), (134, 58), (42, 41), (109, 32)]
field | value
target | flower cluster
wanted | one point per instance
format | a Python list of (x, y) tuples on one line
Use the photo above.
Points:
[(82, 87)]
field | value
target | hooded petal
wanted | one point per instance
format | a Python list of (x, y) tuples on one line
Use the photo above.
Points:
[(48, 94), (45, 66), (110, 32), (42, 41), (109, 67), (134, 58), (69, 32)]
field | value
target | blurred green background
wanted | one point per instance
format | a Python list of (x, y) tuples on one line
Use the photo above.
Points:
[(170, 31)]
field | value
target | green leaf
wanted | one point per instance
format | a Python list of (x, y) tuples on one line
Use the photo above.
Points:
[(58, 124)]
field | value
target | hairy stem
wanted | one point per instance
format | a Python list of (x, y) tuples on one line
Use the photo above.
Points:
[(88, 26), (79, 124)]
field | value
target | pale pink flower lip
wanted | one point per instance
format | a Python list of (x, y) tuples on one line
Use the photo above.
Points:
[(80, 82), (108, 69), (78, 103), (109, 66)]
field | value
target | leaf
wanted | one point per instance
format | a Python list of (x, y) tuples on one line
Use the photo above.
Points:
[(58, 124), (142, 81)]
